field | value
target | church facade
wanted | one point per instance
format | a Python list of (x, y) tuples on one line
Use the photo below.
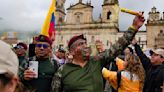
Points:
[(79, 20), (155, 29)]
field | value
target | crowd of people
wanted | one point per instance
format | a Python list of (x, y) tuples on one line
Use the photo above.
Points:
[(37, 67)]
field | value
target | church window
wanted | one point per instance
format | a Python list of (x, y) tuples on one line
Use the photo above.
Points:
[(109, 15), (78, 17), (60, 20), (161, 31), (92, 39), (61, 38), (107, 43), (57, 4), (62, 5), (105, 1)]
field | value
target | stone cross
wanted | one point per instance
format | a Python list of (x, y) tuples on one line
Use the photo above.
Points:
[(80, 1)]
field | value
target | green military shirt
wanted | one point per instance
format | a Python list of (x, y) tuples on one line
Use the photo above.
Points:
[(46, 70), (45, 73), (73, 78), (23, 64)]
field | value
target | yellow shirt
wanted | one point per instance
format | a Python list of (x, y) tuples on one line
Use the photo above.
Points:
[(120, 64), (126, 84)]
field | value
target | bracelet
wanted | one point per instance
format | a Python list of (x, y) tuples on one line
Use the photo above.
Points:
[(133, 28)]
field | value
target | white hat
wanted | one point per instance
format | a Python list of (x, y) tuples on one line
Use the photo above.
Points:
[(8, 59), (159, 52)]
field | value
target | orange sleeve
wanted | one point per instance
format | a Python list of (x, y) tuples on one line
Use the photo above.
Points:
[(110, 76), (120, 64)]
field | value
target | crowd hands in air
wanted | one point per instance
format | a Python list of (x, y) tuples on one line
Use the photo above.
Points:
[(80, 68)]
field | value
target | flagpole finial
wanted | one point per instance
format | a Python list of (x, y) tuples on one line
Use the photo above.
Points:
[(80, 1)]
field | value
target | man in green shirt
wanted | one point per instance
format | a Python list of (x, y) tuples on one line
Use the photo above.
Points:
[(46, 67), (83, 74)]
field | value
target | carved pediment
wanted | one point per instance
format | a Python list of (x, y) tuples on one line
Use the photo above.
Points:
[(79, 6)]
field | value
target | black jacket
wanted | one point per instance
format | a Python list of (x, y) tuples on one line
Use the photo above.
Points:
[(154, 74)]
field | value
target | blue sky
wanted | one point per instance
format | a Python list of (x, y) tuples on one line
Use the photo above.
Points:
[(29, 15)]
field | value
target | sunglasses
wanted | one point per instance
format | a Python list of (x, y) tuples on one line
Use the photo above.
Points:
[(19, 47), (42, 45)]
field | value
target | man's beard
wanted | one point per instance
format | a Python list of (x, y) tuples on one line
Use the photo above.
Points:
[(85, 52)]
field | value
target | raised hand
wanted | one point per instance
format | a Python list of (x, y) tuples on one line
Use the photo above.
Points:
[(138, 21)]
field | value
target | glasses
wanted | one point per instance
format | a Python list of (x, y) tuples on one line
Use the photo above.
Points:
[(42, 45), (19, 47)]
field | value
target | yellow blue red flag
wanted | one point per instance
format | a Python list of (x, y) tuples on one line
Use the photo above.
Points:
[(48, 28)]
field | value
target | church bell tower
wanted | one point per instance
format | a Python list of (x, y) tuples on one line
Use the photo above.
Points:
[(60, 12), (110, 11)]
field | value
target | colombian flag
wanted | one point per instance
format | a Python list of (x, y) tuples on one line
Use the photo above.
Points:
[(48, 28)]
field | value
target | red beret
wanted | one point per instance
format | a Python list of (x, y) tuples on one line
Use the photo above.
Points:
[(43, 38), (22, 44), (75, 38)]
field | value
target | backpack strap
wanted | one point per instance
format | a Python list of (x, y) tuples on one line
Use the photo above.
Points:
[(118, 79)]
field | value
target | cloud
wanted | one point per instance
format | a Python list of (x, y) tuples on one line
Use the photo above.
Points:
[(23, 15), (1, 18)]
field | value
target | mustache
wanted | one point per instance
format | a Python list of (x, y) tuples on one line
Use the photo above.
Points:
[(86, 53), (86, 49)]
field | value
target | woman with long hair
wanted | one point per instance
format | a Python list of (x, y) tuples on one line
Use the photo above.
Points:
[(132, 77)]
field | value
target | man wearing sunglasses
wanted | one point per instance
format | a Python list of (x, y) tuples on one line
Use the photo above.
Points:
[(46, 66), (20, 50)]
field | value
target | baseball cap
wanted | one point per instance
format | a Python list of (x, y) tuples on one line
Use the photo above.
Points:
[(21, 45), (61, 50), (8, 59), (158, 51)]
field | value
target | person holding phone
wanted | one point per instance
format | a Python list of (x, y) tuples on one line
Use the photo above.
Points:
[(39, 75)]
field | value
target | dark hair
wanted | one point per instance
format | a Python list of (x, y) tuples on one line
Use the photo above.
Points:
[(131, 50), (161, 56), (5, 78)]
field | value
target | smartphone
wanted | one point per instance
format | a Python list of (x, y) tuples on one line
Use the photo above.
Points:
[(33, 66), (31, 51)]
